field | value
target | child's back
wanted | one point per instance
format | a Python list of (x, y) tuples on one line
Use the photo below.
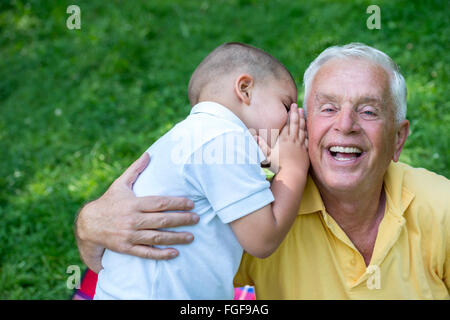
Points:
[(204, 269)]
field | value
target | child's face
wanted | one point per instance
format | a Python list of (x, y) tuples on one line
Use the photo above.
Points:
[(270, 103)]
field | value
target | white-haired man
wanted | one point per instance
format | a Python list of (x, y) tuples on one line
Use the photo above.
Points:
[(367, 228)]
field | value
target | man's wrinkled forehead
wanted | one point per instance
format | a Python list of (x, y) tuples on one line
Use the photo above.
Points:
[(325, 97), (351, 79)]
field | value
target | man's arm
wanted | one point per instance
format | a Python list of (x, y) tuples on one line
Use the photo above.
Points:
[(124, 223), (90, 253)]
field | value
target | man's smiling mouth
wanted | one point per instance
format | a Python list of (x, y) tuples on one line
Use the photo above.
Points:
[(341, 153)]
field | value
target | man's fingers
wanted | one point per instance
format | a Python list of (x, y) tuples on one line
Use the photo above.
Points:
[(132, 172), (147, 221), (148, 252), (154, 237), (161, 203)]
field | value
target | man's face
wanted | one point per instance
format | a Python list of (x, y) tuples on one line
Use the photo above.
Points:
[(351, 128)]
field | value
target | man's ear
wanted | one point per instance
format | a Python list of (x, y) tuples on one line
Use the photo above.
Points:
[(243, 87), (402, 134)]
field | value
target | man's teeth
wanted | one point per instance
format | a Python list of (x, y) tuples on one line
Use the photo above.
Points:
[(345, 153), (345, 149)]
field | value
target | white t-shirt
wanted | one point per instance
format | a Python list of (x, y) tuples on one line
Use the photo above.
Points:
[(212, 159)]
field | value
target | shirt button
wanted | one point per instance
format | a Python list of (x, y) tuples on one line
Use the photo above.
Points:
[(353, 261)]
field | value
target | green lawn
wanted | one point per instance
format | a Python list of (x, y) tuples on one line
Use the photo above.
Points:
[(78, 106)]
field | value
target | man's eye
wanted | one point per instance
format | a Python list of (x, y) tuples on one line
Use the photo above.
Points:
[(327, 108), (369, 112)]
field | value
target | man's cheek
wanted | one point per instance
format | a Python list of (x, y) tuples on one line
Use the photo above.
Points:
[(313, 152)]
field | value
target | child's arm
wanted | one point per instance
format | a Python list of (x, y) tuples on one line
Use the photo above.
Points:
[(261, 232)]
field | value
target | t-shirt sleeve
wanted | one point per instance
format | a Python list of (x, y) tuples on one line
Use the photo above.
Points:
[(227, 171)]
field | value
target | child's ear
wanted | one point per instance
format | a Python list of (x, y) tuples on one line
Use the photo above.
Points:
[(243, 88)]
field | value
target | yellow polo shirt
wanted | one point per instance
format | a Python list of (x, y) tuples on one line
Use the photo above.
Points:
[(411, 258)]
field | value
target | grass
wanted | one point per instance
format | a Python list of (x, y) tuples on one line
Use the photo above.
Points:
[(78, 106)]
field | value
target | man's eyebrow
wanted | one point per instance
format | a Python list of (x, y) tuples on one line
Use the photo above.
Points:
[(361, 100), (324, 96), (371, 99)]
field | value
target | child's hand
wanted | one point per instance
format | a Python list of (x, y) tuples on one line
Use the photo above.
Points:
[(290, 151)]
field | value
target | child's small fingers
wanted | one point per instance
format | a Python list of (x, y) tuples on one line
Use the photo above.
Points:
[(301, 113), (302, 135), (285, 130), (293, 120), (302, 124)]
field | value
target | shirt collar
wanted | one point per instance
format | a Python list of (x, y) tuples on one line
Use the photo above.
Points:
[(217, 110), (398, 197), (311, 200)]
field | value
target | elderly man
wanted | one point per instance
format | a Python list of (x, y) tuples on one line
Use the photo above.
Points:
[(368, 227)]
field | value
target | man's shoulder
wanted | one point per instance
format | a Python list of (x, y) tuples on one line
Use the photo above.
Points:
[(424, 183), (430, 192)]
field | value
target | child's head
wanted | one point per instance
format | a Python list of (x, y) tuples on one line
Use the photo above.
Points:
[(247, 80)]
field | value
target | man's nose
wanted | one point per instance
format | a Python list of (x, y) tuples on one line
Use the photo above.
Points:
[(347, 121)]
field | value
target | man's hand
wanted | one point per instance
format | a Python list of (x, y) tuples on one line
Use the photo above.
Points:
[(124, 223)]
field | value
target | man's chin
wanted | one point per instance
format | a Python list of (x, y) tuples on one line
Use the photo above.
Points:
[(343, 182)]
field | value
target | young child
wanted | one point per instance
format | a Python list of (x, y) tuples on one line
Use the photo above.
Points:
[(238, 92)]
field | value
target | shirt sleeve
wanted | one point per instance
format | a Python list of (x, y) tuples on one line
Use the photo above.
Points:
[(227, 171)]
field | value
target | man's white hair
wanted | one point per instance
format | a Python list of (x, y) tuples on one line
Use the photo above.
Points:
[(362, 51)]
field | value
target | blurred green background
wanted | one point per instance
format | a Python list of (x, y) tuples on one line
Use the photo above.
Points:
[(78, 106)]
